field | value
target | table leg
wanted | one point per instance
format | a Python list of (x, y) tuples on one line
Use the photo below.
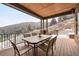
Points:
[(35, 50), (52, 49)]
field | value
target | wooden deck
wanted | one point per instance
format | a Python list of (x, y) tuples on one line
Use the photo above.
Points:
[(64, 47)]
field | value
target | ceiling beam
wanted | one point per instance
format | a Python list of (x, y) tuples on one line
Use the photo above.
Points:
[(61, 14)]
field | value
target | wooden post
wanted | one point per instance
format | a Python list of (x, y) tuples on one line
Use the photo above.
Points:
[(41, 26), (47, 25), (76, 22)]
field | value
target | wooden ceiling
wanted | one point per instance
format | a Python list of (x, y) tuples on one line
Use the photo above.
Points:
[(44, 10)]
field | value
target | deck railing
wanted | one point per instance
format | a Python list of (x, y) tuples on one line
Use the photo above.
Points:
[(4, 40)]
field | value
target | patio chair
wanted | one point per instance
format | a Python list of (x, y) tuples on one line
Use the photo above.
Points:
[(55, 32), (46, 47), (33, 34), (26, 35), (76, 39), (20, 50)]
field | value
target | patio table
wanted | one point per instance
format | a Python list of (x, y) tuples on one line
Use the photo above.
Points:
[(36, 41)]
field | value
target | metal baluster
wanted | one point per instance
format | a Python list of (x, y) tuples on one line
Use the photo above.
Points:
[(15, 43), (7, 40), (15, 38), (10, 39), (4, 40), (1, 41)]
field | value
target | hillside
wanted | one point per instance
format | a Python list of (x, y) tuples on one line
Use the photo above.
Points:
[(23, 27)]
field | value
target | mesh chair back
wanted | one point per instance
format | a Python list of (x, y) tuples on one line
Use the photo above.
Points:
[(55, 32), (16, 51), (27, 35), (33, 34), (51, 42)]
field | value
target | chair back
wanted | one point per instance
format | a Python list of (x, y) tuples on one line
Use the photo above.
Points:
[(27, 35), (50, 43), (16, 51), (55, 32), (33, 34)]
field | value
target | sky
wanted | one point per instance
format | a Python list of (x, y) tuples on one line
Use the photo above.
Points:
[(9, 16)]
